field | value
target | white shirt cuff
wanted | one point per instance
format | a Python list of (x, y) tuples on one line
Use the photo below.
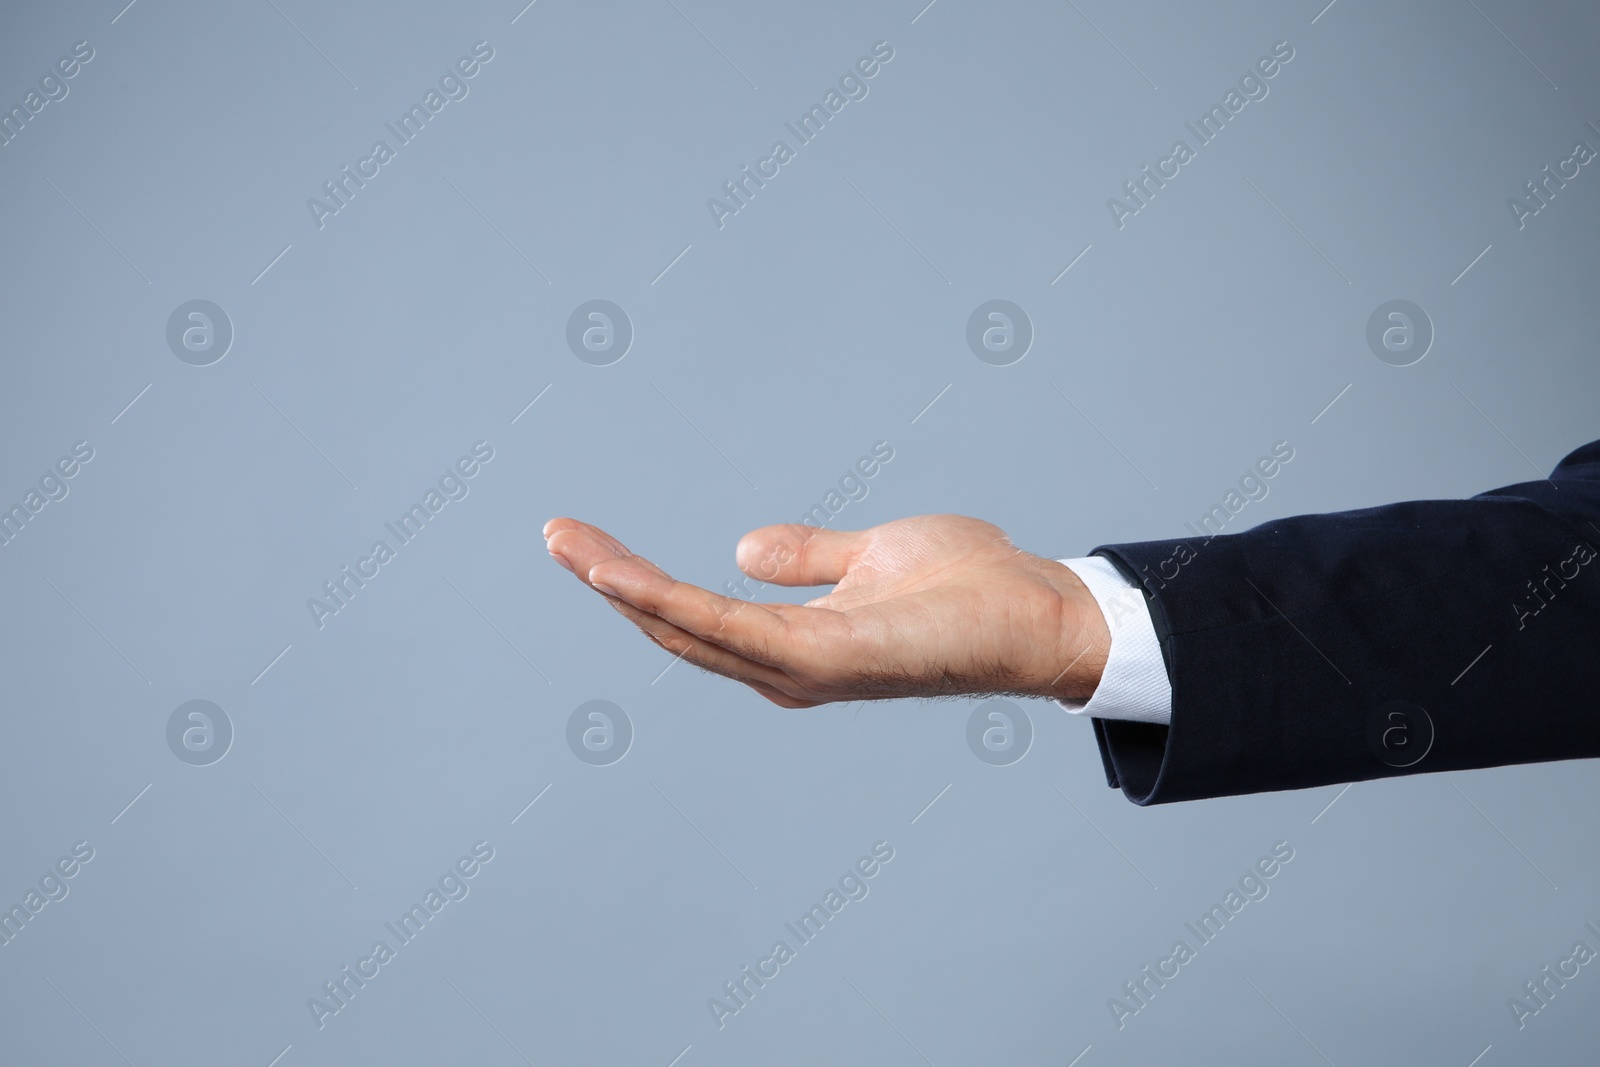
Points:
[(1134, 684)]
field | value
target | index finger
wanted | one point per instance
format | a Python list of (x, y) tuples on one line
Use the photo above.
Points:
[(764, 633)]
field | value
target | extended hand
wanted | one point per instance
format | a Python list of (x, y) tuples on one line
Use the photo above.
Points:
[(939, 605)]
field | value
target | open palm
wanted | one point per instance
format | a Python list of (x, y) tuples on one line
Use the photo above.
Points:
[(938, 605)]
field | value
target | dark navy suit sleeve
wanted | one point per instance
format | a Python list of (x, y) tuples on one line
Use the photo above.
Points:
[(1434, 635)]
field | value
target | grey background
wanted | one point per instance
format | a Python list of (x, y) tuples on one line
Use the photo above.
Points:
[(425, 316)]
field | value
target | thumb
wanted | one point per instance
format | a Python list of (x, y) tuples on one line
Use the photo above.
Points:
[(797, 554)]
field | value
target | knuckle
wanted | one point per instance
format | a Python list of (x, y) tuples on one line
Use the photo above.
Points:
[(678, 646)]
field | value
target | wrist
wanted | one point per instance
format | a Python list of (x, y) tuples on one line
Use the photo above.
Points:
[(1079, 637)]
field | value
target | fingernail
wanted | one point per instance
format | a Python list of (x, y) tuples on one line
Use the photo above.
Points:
[(559, 558), (606, 589)]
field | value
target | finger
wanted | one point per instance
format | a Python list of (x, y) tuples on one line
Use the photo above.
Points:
[(778, 635), (782, 700), (559, 525), (582, 546), (578, 546), (797, 554), (556, 527), (766, 680)]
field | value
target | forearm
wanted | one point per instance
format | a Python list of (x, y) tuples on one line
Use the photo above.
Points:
[(1315, 649)]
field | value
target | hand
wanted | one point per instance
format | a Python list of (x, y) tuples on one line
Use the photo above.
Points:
[(940, 605)]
